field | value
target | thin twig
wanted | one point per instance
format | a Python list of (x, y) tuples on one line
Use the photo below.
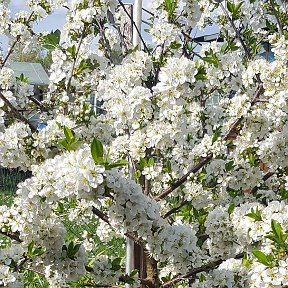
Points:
[(13, 236), (147, 11), (14, 43), (193, 272), (100, 214), (105, 218), (176, 209), (74, 62), (38, 103), (191, 38), (205, 160), (16, 113), (238, 36), (266, 177), (184, 202), (277, 18), (134, 24), (9, 53)]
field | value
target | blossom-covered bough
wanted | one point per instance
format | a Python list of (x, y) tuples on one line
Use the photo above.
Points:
[(207, 203)]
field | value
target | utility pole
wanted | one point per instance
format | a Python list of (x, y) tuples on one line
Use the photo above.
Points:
[(137, 18), (136, 41)]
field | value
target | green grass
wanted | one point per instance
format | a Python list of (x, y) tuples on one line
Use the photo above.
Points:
[(9, 180)]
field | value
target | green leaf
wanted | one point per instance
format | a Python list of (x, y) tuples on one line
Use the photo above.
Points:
[(202, 278), (119, 163), (116, 264), (150, 162), (175, 45), (170, 6), (69, 134), (201, 74), (97, 151), (30, 248), (142, 162), (262, 258), (212, 60), (167, 168), (72, 250), (137, 174), (60, 208), (129, 279), (246, 262), (64, 143), (234, 9), (231, 208), (51, 41), (283, 193), (72, 50), (23, 78), (279, 236), (255, 214), (229, 166), (37, 251), (216, 134), (230, 6), (75, 145)]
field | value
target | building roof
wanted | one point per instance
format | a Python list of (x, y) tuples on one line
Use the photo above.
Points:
[(33, 71)]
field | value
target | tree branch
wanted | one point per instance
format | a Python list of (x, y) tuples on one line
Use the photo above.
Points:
[(14, 43), (193, 272), (74, 62), (277, 18), (205, 160), (100, 214), (238, 36), (184, 202), (134, 24), (16, 113), (13, 236)]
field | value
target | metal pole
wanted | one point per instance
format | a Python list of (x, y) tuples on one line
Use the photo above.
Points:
[(129, 242), (137, 17)]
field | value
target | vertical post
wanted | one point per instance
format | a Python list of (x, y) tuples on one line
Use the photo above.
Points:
[(137, 17), (126, 25), (129, 242)]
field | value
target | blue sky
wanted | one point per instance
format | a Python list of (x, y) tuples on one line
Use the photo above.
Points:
[(57, 20), (52, 22)]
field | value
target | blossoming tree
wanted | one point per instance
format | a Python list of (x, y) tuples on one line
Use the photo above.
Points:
[(204, 196)]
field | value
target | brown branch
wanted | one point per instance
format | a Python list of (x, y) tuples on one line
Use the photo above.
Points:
[(105, 218), (14, 43), (16, 113), (277, 18), (176, 209), (205, 160), (184, 202), (266, 177), (14, 236), (100, 214), (38, 103), (184, 178), (238, 36), (74, 62), (193, 272)]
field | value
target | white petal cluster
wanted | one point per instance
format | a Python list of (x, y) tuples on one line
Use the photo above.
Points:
[(136, 212)]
